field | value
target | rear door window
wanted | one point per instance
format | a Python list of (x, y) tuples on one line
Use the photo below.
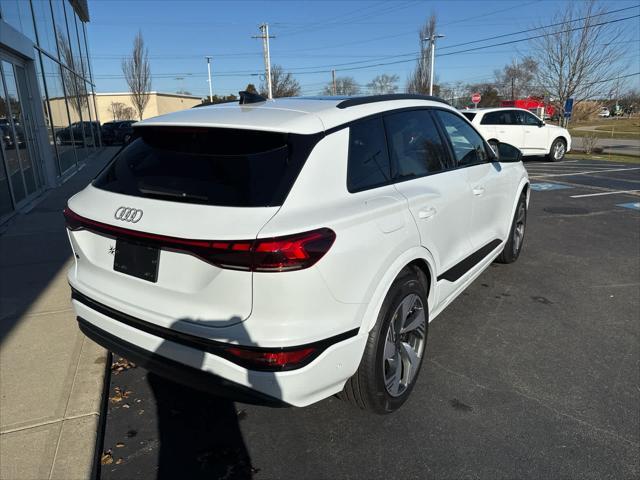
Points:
[(224, 167), (415, 145), (368, 165), (504, 117)]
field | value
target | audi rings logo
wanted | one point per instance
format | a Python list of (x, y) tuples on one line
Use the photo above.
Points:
[(127, 214)]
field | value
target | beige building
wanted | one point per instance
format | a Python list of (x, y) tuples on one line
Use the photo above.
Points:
[(118, 106), (159, 104)]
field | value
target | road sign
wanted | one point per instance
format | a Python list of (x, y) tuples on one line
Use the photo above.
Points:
[(568, 108), (475, 98)]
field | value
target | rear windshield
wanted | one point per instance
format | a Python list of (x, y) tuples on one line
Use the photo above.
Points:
[(224, 167), (469, 115)]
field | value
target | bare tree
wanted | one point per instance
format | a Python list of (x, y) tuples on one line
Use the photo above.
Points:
[(120, 111), (517, 79), (384, 84), (577, 57), (282, 84), (344, 86), (419, 80), (75, 87), (137, 73)]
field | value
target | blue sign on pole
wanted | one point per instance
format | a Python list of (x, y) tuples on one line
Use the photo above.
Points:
[(568, 108)]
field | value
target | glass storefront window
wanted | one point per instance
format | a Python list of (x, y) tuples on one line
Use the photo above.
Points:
[(17, 13), (6, 205), (47, 112), (16, 149), (44, 26), (63, 133), (60, 23)]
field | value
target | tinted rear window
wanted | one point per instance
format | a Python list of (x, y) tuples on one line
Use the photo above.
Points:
[(368, 156), (470, 115), (225, 167)]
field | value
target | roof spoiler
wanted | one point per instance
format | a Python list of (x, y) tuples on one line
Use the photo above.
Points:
[(248, 97)]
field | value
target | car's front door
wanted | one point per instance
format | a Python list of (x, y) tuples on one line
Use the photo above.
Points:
[(535, 134), (491, 203), (438, 196)]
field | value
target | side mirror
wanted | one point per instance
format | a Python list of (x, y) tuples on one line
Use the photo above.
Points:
[(541, 123), (508, 153)]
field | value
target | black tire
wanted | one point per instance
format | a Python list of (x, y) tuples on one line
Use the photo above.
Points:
[(366, 389), (558, 150), (513, 246)]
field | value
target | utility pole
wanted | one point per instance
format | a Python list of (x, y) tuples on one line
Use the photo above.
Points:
[(210, 84), (432, 41), (513, 86), (333, 81), (264, 29)]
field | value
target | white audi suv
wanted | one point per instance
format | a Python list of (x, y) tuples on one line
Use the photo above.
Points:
[(522, 129), (287, 250)]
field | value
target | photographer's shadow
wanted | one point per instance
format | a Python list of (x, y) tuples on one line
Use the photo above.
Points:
[(199, 431)]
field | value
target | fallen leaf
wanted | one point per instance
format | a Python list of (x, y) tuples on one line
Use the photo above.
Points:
[(125, 405), (119, 395), (121, 364), (107, 458), (119, 445), (119, 461)]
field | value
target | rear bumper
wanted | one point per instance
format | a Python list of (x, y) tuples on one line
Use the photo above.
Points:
[(193, 365), (176, 371)]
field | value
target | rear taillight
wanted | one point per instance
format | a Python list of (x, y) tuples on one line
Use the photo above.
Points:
[(278, 254), (277, 360)]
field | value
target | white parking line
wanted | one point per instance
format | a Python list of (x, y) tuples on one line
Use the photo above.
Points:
[(554, 167), (586, 173), (603, 193)]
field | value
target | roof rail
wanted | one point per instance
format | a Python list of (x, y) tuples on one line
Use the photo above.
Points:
[(248, 97), (352, 102)]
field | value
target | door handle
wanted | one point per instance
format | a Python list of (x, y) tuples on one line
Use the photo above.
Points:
[(427, 212), (478, 191)]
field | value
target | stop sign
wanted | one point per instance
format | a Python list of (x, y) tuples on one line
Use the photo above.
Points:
[(475, 98)]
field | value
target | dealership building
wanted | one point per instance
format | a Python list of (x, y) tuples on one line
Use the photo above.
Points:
[(44, 58)]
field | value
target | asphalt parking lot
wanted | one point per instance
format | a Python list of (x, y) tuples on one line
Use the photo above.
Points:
[(532, 373)]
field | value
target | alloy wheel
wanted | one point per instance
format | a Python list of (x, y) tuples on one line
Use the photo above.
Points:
[(404, 345), (518, 231)]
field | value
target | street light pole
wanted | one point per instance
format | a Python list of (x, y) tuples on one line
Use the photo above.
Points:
[(432, 40), (210, 84)]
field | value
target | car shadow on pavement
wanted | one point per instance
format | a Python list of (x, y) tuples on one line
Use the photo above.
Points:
[(194, 433)]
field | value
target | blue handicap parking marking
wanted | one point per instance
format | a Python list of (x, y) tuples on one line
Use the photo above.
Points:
[(631, 205), (543, 187)]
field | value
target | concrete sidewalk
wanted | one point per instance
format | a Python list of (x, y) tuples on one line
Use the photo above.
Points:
[(51, 376)]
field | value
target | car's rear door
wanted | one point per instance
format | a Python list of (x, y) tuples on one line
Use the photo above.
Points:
[(438, 196)]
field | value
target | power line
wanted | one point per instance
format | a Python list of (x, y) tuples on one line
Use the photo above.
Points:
[(242, 73), (538, 28)]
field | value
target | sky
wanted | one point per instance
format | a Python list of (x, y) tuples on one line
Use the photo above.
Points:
[(313, 37)]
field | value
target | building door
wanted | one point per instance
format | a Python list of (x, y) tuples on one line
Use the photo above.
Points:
[(20, 157)]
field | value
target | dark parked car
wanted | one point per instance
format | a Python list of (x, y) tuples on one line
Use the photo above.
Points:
[(64, 136), (7, 137), (118, 132)]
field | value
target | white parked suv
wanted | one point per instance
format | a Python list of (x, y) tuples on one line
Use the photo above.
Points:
[(284, 251), (522, 129)]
